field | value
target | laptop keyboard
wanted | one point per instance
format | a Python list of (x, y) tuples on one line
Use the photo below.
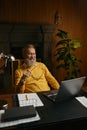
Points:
[(51, 94)]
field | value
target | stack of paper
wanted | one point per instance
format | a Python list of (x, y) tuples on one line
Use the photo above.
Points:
[(82, 100), (26, 99)]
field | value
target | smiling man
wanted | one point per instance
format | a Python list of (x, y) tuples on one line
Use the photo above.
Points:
[(33, 76)]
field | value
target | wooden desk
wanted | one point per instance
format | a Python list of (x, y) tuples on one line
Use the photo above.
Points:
[(7, 97), (67, 115)]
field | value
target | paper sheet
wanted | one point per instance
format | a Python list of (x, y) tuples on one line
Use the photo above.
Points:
[(17, 122), (82, 100), (26, 99)]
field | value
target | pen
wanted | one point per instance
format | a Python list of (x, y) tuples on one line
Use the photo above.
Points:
[(26, 97)]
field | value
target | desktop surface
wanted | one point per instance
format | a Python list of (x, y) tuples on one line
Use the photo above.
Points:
[(70, 114)]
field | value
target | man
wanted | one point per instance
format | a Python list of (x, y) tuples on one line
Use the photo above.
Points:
[(33, 76)]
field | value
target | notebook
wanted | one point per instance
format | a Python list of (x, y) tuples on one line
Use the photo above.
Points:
[(68, 89), (16, 113)]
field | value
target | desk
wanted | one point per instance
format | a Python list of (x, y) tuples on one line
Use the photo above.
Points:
[(66, 115)]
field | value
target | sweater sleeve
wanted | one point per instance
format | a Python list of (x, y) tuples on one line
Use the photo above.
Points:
[(50, 78), (18, 86)]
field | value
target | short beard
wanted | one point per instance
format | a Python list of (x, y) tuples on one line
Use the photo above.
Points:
[(30, 62)]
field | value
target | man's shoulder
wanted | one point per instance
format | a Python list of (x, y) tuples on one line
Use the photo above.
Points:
[(40, 64), (21, 67)]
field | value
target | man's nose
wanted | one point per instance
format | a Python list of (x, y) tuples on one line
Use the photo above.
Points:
[(32, 55)]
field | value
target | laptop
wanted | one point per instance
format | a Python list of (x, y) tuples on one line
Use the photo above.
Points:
[(68, 89)]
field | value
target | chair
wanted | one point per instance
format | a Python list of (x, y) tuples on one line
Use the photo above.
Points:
[(15, 65)]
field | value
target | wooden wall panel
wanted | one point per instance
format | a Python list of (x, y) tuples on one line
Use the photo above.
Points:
[(74, 19)]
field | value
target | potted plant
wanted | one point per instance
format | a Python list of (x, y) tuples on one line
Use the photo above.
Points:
[(65, 54)]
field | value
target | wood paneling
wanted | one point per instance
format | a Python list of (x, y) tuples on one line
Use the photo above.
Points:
[(74, 19)]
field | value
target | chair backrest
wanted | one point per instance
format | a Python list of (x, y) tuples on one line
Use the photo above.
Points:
[(15, 65)]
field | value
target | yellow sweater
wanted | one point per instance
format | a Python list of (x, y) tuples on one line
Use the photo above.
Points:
[(39, 80)]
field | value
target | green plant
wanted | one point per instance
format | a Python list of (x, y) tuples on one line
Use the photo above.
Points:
[(65, 54)]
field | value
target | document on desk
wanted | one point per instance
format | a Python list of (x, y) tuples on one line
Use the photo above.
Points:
[(26, 99), (17, 122), (82, 100)]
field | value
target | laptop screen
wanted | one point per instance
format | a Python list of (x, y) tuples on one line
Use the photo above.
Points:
[(70, 88), (73, 86)]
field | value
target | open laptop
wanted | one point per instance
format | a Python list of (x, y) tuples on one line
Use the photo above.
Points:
[(68, 89)]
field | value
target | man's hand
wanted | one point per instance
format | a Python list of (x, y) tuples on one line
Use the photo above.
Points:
[(27, 73)]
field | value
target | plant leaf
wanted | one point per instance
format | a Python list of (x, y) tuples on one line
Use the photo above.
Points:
[(77, 44), (63, 42), (62, 34)]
